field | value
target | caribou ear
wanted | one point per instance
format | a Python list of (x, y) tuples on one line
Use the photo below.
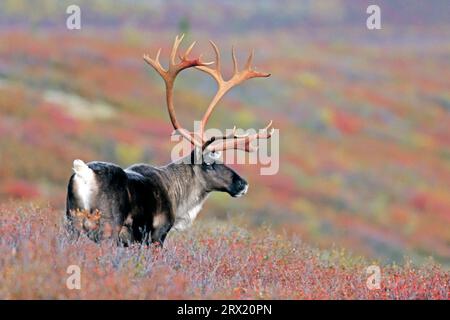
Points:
[(210, 157)]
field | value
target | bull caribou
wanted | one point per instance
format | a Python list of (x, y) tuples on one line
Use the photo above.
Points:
[(142, 202)]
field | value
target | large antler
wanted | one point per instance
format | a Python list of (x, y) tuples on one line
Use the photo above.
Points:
[(169, 77), (232, 141)]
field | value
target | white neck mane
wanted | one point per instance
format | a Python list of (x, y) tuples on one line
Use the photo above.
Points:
[(187, 212)]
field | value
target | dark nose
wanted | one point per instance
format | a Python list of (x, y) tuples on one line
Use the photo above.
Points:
[(241, 184)]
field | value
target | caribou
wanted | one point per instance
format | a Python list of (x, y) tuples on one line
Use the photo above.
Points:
[(142, 203)]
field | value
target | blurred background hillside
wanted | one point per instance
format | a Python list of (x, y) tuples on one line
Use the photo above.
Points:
[(363, 115)]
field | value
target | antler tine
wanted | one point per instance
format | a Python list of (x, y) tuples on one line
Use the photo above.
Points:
[(217, 53), (248, 65), (235, 65), (188, 51), (214, 72), (232, 134), (249, 72), (173, 53), (266, 129), (157, 57), (155, 62)]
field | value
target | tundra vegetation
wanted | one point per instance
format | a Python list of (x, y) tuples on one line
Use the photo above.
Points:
[(364, 149), (215, 259)]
